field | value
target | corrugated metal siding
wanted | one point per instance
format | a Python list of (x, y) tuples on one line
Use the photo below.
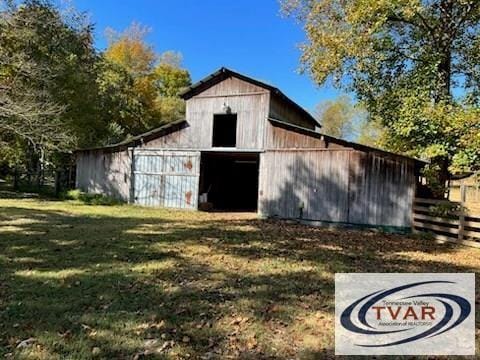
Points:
[(166, 178), (104, 173), (336, 185)]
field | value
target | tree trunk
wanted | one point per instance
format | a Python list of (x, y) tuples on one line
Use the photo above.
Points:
[(16, 185), (444, 74), (445, 38), (444, 176)]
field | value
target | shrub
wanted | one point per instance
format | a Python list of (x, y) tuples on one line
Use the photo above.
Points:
[(446, 210), (72, 194), (90, 199)]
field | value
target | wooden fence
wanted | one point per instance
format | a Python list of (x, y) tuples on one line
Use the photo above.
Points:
[(446, 221), (50, 181)]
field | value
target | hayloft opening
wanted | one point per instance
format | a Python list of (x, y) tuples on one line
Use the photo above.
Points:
[(229, 181), (224, 130)]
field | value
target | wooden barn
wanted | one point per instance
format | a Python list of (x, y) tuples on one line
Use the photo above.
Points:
[(246, 146)]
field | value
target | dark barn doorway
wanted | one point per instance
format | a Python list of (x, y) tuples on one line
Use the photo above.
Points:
[(229, 181), (224, 130)]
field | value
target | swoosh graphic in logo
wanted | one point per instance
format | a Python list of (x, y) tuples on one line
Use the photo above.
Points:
[(465, 307), (346, 316), (346, 321)]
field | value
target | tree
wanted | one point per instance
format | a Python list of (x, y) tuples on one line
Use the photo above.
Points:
[(344, 119), (58, 93), (129, 54), (120, 103), (47, 77), (403, 59), (130, 50), (371, 133), (337, 117), (155, 80), (170, 80)]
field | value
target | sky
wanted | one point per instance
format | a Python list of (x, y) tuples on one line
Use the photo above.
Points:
[(248, 36)]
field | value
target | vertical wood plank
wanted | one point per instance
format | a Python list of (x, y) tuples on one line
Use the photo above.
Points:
[(463, 198)]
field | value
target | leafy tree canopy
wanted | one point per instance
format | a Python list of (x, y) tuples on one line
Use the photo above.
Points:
[(47, 77), (337, 117), (155, 80), (129, 49), (342, 118), (405, 60), (58, 93)]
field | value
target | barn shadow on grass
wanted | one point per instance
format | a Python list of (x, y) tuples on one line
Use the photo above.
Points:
[(130, 281)]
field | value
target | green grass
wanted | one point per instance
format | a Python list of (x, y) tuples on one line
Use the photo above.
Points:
[(128, 282)]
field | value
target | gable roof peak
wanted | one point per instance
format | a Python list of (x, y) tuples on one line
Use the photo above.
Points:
[(224, 73)]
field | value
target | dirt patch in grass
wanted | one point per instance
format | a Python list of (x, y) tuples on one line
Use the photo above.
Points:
[(127, 282)]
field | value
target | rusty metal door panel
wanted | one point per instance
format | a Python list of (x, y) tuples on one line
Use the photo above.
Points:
[(166, 178)]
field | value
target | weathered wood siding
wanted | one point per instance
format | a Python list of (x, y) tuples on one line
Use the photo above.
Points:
[(281, 138), (181, 139), (381, 189), (281, 110), (105, 173), (248, 101), (336, 185)]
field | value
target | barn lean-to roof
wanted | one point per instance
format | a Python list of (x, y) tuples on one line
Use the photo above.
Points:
[(142, 138), (346, 143)]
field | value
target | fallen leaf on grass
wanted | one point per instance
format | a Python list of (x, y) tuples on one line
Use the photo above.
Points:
[(165, 346), (26, 343), (239, 320), (252, 343), (66, 335), (150, 343)]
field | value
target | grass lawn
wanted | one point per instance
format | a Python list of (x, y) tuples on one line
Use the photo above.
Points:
[(85, 282)]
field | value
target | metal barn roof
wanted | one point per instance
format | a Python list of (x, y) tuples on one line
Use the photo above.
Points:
[(143, 138)]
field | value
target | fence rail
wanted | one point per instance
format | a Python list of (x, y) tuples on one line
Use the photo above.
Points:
[(446, 221)]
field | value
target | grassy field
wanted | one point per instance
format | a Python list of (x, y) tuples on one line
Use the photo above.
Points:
[(85, 282)]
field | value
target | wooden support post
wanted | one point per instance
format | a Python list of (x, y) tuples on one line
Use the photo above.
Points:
[(57, 182), (71, 180), (15, 179), (38, 177), (461, 217), (463, 192)]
